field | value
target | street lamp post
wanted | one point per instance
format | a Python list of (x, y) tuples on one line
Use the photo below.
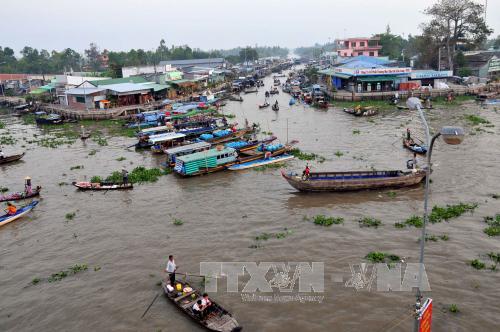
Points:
[(453, 136)]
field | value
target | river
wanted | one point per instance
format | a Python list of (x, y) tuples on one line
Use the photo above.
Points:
[(126, 237)]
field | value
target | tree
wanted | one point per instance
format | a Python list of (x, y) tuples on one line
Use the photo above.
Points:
[(248, 54), (456, 21), (93, 57), (392, 45)]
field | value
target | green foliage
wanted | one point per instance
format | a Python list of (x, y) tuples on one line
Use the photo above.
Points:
[(70, 215), (453, 308), (493, 228), (2, 125), (415, 221), (36, 281), (278, 235), (392, 194), (95, 179), (477, 264), (339, 154), (263, 237), (7, 140), (138, 175), (380, 257), (475, 119), (297, 153), (76, 167), (3, 189), (177, 222), (439, 213), (356, 132), (268, 166), (323, 220), (92, 152), (121, 159), (369, 222)]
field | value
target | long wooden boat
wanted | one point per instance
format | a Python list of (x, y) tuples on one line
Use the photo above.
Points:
[(102, 186), (260, 162), (10, 159), (6, 218), (414, 147), (215, 160), (352, 181), (20, 195), (219, 319), (231, 137)]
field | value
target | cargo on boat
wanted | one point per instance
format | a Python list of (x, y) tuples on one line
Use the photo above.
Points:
[(183, 150)]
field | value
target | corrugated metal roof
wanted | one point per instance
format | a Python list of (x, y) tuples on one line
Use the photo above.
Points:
[(370, 59), (165, 137), (131, 79), (126, 87), (83, 91), (188, 147), (155, 86), (192, 61), (205, 154)]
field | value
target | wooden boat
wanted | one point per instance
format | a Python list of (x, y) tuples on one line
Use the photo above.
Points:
[(352, 181), (266, 104), (102, 186), (274, 91), (235, 98), (414, 147), (251, 90), (20, 195), (49, 119), (219, 159), (363, 111), (260, 162), (6, 218), (219, 319), (10, 159)]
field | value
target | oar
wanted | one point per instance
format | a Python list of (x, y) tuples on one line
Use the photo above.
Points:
[(150, 305)]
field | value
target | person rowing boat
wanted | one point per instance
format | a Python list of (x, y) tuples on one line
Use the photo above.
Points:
[(171, 268), (11, 209)]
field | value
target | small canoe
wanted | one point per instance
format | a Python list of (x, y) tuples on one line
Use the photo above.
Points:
[(12, 158), (260, 162), (102, 186), (218, 319), (414, 147), (5, 219), (266, 104), (353, 180), (20, 195)]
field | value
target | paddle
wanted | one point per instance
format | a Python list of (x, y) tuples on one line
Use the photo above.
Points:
[(156, 296)]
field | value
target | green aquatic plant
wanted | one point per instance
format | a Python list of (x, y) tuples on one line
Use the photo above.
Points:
[(2, 125), (263, 237), (369, 222), (70, 216), (493, 228), (121, 159), (96, 179), (440, 213), (444, 237), (92, 152), (282, 235), (297, 153), (76, 167), (399, 225), (3, 189), (178, 222), (339, 154), (495, 196), (356, 132), (7, 140), (477, 264), (392, 194), (380, 257), (268, 166), (453, 308), (475, 119), (323, 220), (78, 268), (415, 221)]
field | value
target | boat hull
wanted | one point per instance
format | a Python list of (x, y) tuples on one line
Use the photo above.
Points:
[(5, 219), (259, 162), (102, 186), (354, 181), (11, 159), (18, 196)]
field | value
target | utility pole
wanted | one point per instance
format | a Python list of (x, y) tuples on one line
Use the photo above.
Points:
[(439, 58)]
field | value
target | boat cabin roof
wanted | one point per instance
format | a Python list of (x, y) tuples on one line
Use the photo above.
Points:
[(189, 147), (205, 154), (165, 137), (153, 129)]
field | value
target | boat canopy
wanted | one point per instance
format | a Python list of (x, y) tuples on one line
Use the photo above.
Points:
[(186, 148), (206, 154), (154, 139), (154, 129)]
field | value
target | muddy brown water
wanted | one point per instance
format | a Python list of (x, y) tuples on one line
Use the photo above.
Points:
[(128, 235)]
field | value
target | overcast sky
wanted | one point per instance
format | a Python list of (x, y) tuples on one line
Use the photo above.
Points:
[(206, 24)]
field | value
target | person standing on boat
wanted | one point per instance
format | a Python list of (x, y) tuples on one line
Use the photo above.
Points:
[(171, 268), (305, 173), (125, 176), (408, 134), (27, 186), (1, 154), (414, 166)]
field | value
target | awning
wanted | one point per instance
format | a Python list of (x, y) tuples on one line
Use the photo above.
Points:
[(340, 75), (154, 139), (377, 78)]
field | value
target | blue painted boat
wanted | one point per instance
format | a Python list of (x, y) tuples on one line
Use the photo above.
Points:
[(6, 218), (260, 162)]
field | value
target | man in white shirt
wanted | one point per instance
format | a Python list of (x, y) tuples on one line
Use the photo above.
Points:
[(171, 268), (197, 309)]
